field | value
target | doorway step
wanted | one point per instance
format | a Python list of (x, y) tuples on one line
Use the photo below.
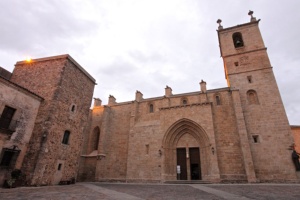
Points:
[(188, 182)]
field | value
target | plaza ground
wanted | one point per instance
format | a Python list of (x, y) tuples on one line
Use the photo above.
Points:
[(110, 191)]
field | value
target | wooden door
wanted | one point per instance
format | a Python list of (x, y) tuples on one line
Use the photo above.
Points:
[(195, 164), (181, 160)]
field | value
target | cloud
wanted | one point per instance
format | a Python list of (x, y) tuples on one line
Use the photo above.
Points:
[(41, 27), (148, 44)]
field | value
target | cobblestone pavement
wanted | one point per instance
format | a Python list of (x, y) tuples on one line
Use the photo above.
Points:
[(110, 191)]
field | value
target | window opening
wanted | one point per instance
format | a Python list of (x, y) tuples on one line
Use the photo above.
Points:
[(66, 137), (59, 167), (218, 100), (255, 138), (9, 156), (249, 78), (184, 101), (6, 117), (147, 149), (73, 108), (151, 109), (96, 137), (236, 64), (237, 40)]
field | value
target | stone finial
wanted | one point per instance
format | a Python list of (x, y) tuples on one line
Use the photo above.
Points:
[(203, 86), (168, 91), (219, 21), (97, 102), (111, 100), (252, 19), (138, 96)]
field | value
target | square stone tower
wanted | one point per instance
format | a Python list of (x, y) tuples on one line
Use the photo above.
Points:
[(248, 69), (54, 148)]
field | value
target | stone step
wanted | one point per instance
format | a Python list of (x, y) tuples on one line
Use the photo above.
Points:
[(187, 182)]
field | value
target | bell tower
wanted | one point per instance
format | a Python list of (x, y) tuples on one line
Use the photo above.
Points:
[(248, 70)]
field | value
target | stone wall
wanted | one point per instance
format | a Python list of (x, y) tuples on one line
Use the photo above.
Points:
[(26, 104), (133, 139), (248, 69), (67, 90)]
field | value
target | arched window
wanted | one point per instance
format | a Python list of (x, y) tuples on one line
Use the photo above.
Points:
[(184, 102), (237, 40), (151, 108), (96, 137), (252, 97), (66, 137), (218, 100)]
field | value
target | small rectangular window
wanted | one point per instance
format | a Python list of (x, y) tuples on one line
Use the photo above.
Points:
[(249, 78), (59, 167), (236, 64), (255, 138)]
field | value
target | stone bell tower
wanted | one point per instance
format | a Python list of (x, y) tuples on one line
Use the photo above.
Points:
[(248, 70)]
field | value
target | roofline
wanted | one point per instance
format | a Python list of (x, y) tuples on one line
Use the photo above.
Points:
[(238, 26), (172, 96), (60, 57), (295, 126), (22, 89)]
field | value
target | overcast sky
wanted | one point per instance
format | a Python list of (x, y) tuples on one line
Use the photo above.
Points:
[(129, 45)]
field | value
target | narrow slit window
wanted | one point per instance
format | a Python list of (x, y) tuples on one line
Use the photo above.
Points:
[(73, 108), (147, 149), (151, 108), (218, 100), (96, 138), (59, 167), (66, 137)]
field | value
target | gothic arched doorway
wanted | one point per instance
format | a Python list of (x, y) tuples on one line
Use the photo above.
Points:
[(186, 145)]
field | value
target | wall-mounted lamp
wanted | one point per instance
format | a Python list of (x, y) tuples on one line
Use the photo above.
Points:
[(213, 150), (159, 152)]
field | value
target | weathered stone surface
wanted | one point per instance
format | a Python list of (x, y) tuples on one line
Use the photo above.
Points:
[(67, 91), (242, 131), (19, 132)]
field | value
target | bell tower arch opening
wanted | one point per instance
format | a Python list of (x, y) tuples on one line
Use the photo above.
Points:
[(187, 150)]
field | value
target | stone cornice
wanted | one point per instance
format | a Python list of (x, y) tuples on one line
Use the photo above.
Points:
[(184, 106)]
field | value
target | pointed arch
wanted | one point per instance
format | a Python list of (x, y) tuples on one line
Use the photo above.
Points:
[(181, 127), (170, 141)]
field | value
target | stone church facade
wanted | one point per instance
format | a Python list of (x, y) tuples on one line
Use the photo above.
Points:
[(239, 133)]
